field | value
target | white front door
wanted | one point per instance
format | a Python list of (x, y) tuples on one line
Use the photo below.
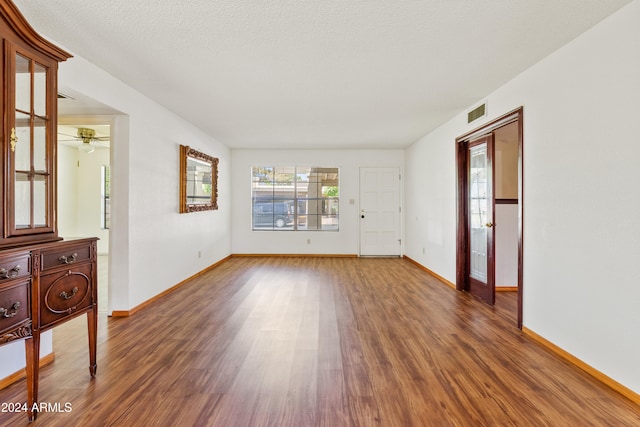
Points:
[(380, 211)]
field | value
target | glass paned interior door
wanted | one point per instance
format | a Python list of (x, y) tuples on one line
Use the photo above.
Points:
[(478, 204)]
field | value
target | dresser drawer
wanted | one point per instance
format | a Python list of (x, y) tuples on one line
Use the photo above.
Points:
[(64, 293), (15, 266), (65, 256), (15, 306)]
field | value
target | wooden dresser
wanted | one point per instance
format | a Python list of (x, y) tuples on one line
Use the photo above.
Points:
[(44, 280), (42, 286)]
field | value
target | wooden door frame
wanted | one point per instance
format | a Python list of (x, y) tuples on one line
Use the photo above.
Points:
[(462, 255)]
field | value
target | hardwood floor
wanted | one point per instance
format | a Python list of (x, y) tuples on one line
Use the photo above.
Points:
[(317, 342)]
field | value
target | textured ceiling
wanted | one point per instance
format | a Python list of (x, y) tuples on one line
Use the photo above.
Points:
[(315, 74)]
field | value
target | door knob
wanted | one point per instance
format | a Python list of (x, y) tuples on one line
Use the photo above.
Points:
[(489, 224)]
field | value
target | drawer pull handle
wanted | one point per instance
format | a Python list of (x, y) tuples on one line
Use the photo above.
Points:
[(7, 313), (67, 296), (4, 274), (68, 259)]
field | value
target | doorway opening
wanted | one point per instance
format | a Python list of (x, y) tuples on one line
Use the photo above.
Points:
[(490, 209), (84, 187)]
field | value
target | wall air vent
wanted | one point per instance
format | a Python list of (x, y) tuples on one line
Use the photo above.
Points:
[(476, 113)]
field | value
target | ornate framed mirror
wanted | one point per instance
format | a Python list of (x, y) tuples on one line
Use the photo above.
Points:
[(198, 181)]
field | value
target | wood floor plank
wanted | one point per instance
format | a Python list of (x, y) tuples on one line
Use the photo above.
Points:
[(285, 341)]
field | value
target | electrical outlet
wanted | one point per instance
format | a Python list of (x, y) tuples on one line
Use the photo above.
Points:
[(308, 241)]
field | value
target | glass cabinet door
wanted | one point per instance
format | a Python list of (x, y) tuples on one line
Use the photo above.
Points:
[(30, 151)]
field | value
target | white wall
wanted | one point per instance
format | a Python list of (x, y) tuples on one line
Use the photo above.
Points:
[(153, 246), (13, 355), (345, 241), (79, 194), (430, 201), (89, 188), (506, 238), (67, 194), (581, 180)]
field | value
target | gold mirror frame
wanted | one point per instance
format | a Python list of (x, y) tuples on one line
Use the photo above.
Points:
[(191, 184)]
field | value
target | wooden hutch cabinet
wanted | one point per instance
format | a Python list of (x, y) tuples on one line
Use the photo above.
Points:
[(44, 280)]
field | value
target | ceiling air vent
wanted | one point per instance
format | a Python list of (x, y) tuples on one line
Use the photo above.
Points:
[(476, 113)]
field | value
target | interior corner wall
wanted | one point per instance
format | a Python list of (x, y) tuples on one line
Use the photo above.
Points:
[(342, 242), (581, 175)]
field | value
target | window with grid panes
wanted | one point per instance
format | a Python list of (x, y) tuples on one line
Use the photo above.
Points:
[(295, 198)]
